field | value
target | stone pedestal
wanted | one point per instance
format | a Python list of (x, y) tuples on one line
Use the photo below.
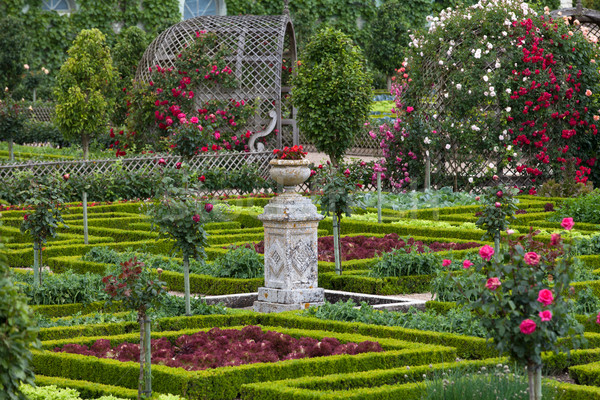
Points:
[(290, 222)]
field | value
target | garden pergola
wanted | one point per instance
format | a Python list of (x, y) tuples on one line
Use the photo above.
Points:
[(263, 50)]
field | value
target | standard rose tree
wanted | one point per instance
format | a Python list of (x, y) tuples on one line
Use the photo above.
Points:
[(521, 300)]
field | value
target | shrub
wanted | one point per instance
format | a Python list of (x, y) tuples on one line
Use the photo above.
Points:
[(12, 51), (18, 335), (240, 262), (582, 209), (456, 320), (400, 262), (65, 288), (332, 92)]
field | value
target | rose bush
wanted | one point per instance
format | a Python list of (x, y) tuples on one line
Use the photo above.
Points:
[(518, 89), (522, 300)]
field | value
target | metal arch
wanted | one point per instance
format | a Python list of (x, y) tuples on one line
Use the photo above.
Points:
[(257, 44)]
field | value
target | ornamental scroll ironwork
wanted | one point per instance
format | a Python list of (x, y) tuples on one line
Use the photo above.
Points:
[(263, 50)]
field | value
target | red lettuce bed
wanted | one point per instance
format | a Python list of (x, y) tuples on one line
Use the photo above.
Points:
[(224, 347)]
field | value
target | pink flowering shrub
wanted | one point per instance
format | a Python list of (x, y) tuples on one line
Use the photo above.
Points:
[(504, 87), (224, 347), (167, 114), (521, 297)]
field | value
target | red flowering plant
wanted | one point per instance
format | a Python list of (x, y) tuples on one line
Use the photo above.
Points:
[(521, 299), (167, 111), (138, 289), (498, 206), (290, 153), (519, 90)]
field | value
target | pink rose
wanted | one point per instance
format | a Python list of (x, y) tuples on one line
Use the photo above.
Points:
[(554, 239), (545, 297), (498, 205), (446, 263), (208, 207), (499, 193), (347, 172), (527, 327), (196, 218), (545, 315), (495, 177), (532, 258), (567, 224), (477, 198), (178, 165), (467, 264), (194, 120), (486, 252), (493, 283), (162, 162), (409, 109), (598, 319)]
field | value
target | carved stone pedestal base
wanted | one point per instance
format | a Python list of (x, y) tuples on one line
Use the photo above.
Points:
[(276, 300), (290, 222)]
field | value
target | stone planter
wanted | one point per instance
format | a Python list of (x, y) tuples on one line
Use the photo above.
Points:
[(290, 173)]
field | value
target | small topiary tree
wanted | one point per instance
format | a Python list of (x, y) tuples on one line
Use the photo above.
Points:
[(388, 34), (45, 196), (332, 91), (139, 290), (84, 89), (18, 335), (127, 52)]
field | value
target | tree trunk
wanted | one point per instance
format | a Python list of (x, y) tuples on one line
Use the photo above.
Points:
[(36, 265), (142, 357), (534, 375), (336, 244), (389, 83), (147, 358), (186, 284), (427, 172), (497, 246), (379, 197), (11, 153), (85, 144), (85, 219)]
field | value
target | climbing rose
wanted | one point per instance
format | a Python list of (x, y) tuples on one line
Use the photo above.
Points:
[(545, 315), (532, 258), (567, 223), (446, 262), (208, 207), (545, 297), (486, 252), (527, 327), (162, 162), (493, 283), (196, 218), (467, 264), (202, 178)]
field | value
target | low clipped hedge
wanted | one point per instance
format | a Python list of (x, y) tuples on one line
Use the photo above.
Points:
[(88, 390), (350, 282)]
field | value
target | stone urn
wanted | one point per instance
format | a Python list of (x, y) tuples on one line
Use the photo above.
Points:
[(290, 173)]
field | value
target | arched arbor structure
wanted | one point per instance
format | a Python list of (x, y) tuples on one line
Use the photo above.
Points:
[(263, 51)]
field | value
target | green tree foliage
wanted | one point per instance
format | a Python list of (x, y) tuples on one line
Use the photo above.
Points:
[(332, 92), (388, 35), (126, 53), (17, 336), (85, 84), (13, 51)]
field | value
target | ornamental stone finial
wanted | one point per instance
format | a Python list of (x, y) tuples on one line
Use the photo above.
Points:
[(286, 9)]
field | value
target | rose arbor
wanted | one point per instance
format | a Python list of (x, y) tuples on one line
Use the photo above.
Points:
[(290, 222)]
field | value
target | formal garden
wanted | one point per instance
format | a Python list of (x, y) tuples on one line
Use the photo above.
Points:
[(165, 235)]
